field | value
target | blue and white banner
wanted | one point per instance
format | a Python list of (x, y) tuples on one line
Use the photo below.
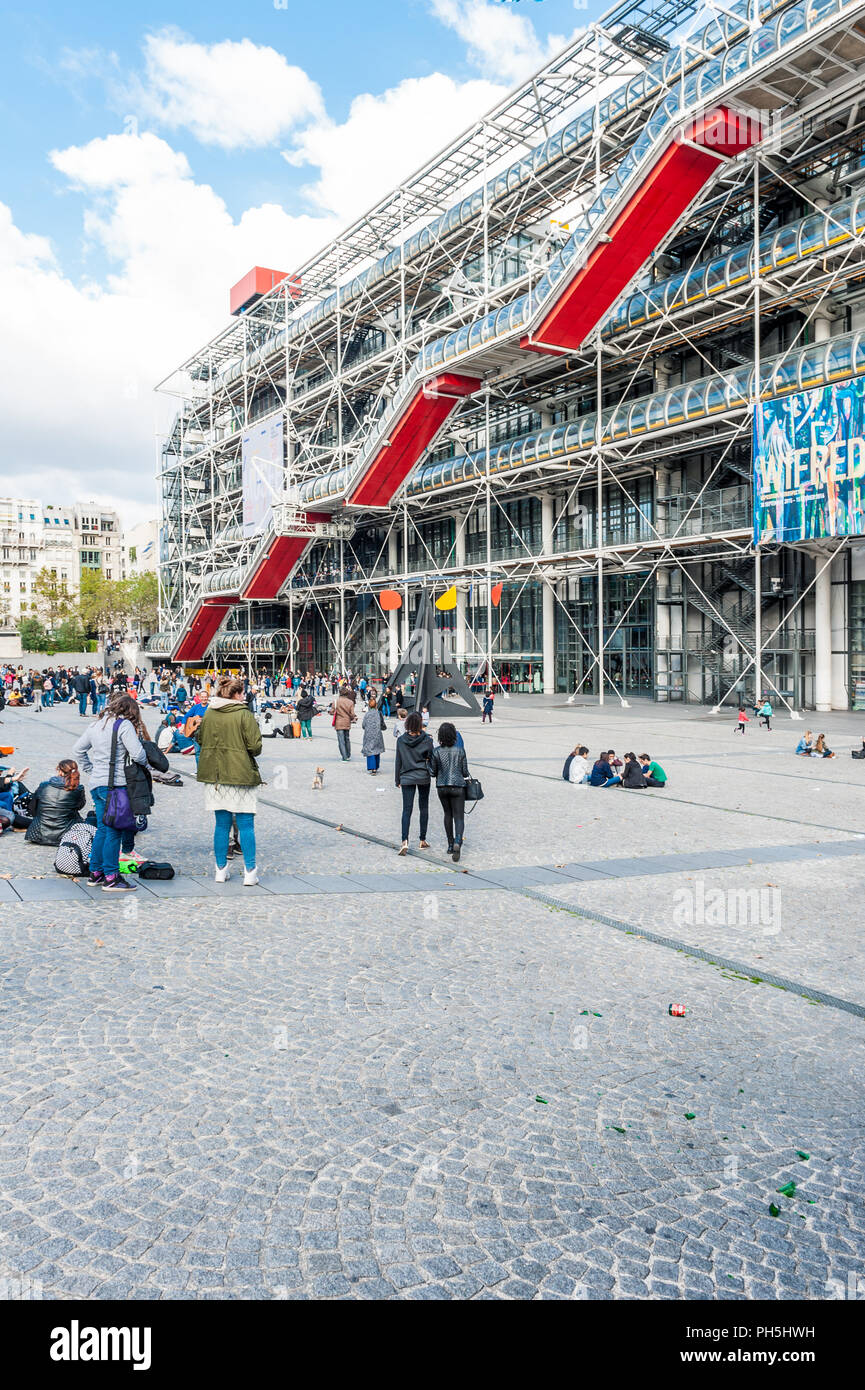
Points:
[(809, 464)]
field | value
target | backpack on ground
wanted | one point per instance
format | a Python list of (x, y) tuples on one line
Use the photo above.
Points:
[(566, 770), (149, 868), (73, 852)]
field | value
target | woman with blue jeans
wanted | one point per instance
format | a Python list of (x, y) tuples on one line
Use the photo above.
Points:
[(93, 751), (230, 742)]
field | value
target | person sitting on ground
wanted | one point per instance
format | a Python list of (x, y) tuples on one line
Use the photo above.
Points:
[(632, 777), (653, 772), (601, 774), (805, 745), (820, 749), (12, 789), (615, 763), (578, 765), (55, 805), (171, 739)]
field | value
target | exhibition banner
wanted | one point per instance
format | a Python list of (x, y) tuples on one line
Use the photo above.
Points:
[(263, 466), (809, 464)]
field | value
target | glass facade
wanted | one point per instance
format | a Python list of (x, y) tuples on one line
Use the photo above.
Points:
[(628, 635)]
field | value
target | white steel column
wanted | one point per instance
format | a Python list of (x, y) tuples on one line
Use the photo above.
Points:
[(823, 589), (393, 614), (840, 645), (549, 598), (405, 628), (823, 635), (489, 522), (341, 608), (459, 561)]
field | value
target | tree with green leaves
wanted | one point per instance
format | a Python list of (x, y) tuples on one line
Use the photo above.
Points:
[(139, 598), (54, 603), (34, 637), (100, 605)]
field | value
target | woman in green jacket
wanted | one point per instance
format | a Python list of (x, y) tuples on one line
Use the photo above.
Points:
[(230, 741)]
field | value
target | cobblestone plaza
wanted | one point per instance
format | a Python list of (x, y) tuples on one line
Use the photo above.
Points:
[(385, 1078)]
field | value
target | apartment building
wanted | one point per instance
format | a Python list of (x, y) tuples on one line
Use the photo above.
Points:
[(65, 540)]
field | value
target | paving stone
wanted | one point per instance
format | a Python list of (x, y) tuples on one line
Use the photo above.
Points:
[(333, 883), (32, 890), (331, 1101)]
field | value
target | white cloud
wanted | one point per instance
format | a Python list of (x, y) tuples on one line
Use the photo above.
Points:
[(387, 137), (502, 42), (236, 95), (81, 359)]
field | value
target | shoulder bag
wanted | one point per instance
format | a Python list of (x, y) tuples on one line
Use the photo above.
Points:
[(118, 808)]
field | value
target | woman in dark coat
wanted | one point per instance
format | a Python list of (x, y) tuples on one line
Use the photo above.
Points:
[(632, 777), (411, 774), (305, 709), (373, 742), (55, 805)]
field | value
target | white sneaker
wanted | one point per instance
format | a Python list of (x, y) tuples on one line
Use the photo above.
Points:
[(222, 874), (250, 878)]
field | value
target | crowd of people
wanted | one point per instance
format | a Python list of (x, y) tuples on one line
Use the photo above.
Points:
[(220, 721), (88, 687)]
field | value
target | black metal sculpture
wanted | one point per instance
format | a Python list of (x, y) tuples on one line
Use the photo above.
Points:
[(438, 682)]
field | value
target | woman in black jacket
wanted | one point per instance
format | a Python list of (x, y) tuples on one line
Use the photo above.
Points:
[(55, 805), (450, 768), (633, 777), (411, 773), (305, 709), (139, 782)]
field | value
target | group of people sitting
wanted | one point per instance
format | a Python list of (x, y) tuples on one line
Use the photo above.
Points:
[(635, 772), (809, 747)]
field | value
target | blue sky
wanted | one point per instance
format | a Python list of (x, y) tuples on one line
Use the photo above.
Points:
[(152, 153)]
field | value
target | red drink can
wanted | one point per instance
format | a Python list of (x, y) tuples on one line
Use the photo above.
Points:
[(676, 1011)]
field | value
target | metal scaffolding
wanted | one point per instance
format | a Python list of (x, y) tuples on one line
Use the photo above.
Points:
[(591, 482)]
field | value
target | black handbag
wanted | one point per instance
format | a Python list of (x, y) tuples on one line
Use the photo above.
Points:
[(474, 790), (151, 868)]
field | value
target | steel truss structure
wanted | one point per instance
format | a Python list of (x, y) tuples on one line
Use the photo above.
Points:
[(535, 363)]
